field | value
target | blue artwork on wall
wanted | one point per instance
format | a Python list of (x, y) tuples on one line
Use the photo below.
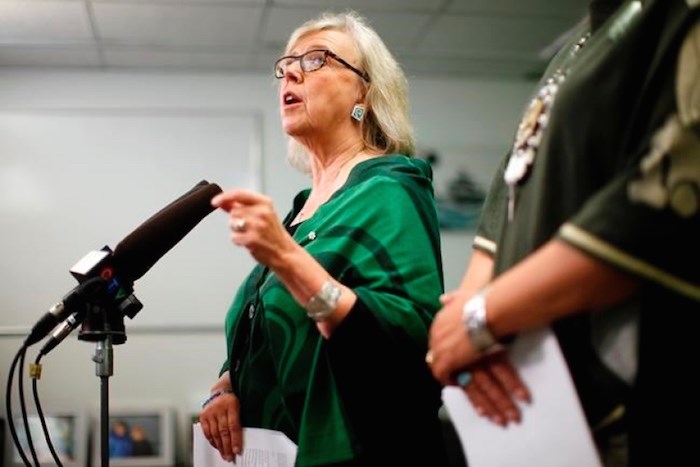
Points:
[(458, 195)]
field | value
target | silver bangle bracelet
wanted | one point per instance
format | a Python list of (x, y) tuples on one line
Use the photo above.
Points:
[(324, 302), (475, 325)]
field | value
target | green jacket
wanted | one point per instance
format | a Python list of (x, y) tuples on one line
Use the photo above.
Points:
[(365, 393)]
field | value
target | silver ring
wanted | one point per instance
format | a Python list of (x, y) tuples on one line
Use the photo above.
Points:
[(239, 225)]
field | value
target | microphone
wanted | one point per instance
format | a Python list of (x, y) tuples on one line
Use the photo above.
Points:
[(140, 250), (104, 272), (76, 297), (60, 332)]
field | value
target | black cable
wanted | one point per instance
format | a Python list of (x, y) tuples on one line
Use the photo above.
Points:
[(8, 407), (23, 405), (40, 412)]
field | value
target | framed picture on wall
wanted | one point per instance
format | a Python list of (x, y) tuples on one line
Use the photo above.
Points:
[(68, 432), (461, 177), (138, 436)]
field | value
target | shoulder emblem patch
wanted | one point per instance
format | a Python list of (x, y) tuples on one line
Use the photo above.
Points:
[(670, 173)]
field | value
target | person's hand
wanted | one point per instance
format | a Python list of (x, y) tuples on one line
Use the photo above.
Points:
[(495, 388), (221, 425), (450, 350), (255, 225)]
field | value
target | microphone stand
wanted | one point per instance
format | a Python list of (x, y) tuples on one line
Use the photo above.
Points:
[(104, 369), (104, 324)]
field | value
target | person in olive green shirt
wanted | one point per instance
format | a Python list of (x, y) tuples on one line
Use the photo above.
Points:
[(327, 335), (591, 227)]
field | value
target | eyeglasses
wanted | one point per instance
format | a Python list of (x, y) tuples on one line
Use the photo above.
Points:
[(312, 61)]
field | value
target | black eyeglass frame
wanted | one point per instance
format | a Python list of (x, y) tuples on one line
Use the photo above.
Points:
[(326, 54)]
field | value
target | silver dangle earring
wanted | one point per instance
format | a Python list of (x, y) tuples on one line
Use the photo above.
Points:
[(358, 112)]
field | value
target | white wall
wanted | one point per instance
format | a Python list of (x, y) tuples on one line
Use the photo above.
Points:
[(172, 356)]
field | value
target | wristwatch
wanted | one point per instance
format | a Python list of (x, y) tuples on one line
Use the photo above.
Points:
[(324, 302), (474, 320)]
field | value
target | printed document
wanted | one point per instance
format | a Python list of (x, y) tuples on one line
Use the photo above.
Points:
[(552, 432), (261, 448)]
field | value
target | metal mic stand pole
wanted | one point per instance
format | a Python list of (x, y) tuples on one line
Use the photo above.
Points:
[(104, 368), (104, 324)]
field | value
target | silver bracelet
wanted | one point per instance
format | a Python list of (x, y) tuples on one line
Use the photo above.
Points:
[(216, 394), (324, 302), (474, 320)]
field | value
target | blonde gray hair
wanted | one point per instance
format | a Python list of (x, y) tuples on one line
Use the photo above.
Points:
[(386, 127)]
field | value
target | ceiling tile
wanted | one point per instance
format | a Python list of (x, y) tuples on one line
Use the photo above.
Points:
[(472, 35), (495, 38), (140, 57), (281, 22), (571, 9), (398, 30), (35, 22), (195, 2), (400, 5), (49, 56), (182, 24)]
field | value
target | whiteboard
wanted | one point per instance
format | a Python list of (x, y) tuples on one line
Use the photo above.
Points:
[(75, 181)]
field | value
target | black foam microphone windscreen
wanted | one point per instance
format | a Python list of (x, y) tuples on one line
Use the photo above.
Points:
[(104, 271), (140, 250)]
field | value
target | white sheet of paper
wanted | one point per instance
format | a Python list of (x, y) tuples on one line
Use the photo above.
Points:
[(553, 431), (261, 448)]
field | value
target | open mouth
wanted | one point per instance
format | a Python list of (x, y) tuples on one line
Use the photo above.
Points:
[(290, 99)]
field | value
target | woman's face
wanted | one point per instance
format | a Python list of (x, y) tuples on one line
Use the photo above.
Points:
[(316, 105)]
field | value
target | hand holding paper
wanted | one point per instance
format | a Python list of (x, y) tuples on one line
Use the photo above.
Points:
[(553, 431), (261, 447)]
